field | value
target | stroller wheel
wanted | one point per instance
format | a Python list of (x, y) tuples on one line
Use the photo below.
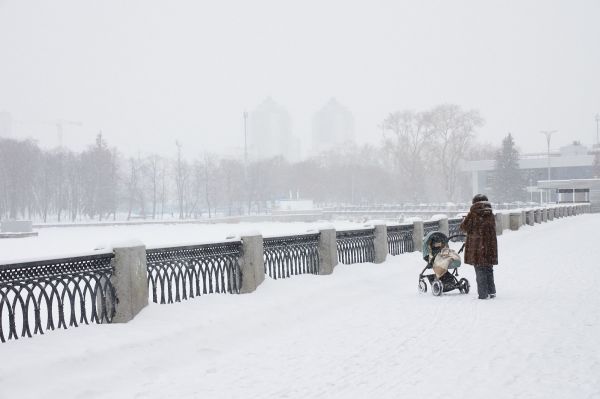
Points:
[(464, 286), (437, 288), (422, 286)]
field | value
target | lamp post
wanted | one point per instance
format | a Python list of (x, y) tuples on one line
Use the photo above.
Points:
[(548, 134), (598, 130), (246, 189), (245, 138)]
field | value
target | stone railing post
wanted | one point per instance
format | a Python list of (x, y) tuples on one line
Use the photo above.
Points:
[(328, 259), (515, 220), (530, 217), (381, 244), (505, 221), (499, 224), (252, 263), (443, 226), (418, 235), (130, 280)]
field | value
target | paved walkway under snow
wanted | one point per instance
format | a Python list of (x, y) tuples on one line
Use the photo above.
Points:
[(363, 332)]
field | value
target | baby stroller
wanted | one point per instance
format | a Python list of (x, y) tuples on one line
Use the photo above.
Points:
[(444, 263)]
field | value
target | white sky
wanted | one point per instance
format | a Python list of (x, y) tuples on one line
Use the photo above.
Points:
[(149, 71)]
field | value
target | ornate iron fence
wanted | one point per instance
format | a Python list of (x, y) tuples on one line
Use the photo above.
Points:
[(57, 293), (181, 273), (400, 239), (355, 246), (288, 256), (428, 227), (454, 228)]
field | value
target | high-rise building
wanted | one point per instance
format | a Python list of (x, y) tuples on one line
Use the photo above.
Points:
[(270, 133), (6, 124), (333, 126)]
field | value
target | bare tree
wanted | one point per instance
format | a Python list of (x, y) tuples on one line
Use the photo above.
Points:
[(408, 133), (453, 129)]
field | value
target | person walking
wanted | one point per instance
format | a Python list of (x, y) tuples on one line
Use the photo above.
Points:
[(481, 247)]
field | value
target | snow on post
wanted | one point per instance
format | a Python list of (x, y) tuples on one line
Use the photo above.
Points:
[(515, 220), (252, 263), (499, 224), (418, 235), (130, 280), (380, 243), (328, 259)]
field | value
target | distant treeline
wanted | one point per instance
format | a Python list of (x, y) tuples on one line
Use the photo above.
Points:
[(416, 160)]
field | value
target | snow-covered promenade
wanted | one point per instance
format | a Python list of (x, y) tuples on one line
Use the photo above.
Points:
[(362, 332)]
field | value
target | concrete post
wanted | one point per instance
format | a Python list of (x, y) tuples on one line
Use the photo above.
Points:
[(530, 217), (418, 236), (537, 216), (545, 215), (551, 213), (328, 259), (252, 264), (130, 280), (444, 227), (505, 221), (381, 244), (499, 224), (515, 220), (523, 218)]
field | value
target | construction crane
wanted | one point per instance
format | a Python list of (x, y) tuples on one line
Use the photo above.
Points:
[(59, 124), (60, 129)]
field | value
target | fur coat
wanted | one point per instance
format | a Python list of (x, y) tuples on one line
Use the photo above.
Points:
[(481, 247)]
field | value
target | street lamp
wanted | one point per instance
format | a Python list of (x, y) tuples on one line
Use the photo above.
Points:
[(597, 130), (245, 138), (548, 134)]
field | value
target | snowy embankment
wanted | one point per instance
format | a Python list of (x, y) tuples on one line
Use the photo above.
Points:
[(362, 332)]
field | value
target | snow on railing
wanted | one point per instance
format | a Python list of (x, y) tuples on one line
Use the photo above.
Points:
[(183, 272), (400, 239), (355, 246), (56, 293), (291, 255)]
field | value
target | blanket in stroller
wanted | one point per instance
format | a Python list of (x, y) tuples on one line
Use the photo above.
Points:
[(445, 259)]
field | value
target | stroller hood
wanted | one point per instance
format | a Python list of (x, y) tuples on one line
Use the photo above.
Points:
[(435, 236)]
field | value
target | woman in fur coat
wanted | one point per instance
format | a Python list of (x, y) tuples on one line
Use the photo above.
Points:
[(481, 248)]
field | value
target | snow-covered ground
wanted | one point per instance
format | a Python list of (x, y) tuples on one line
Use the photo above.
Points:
[(65, 241), (362, 332)]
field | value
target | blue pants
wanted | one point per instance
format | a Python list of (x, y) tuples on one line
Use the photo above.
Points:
[(485, 281)]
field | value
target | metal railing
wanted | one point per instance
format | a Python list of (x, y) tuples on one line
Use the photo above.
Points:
[(293, 255), (355, 246), (400, 239), (181, 273), (56, 293), (454, 228), (430, 226)]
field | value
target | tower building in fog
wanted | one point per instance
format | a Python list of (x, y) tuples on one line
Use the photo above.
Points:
[(6, 124), (333, 126), (270, 134)]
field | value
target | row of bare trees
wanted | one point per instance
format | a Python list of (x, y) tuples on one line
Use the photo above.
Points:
[(426, 148), (418, 160)]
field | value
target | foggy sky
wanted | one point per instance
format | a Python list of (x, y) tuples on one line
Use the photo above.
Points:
[(147, 72)]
